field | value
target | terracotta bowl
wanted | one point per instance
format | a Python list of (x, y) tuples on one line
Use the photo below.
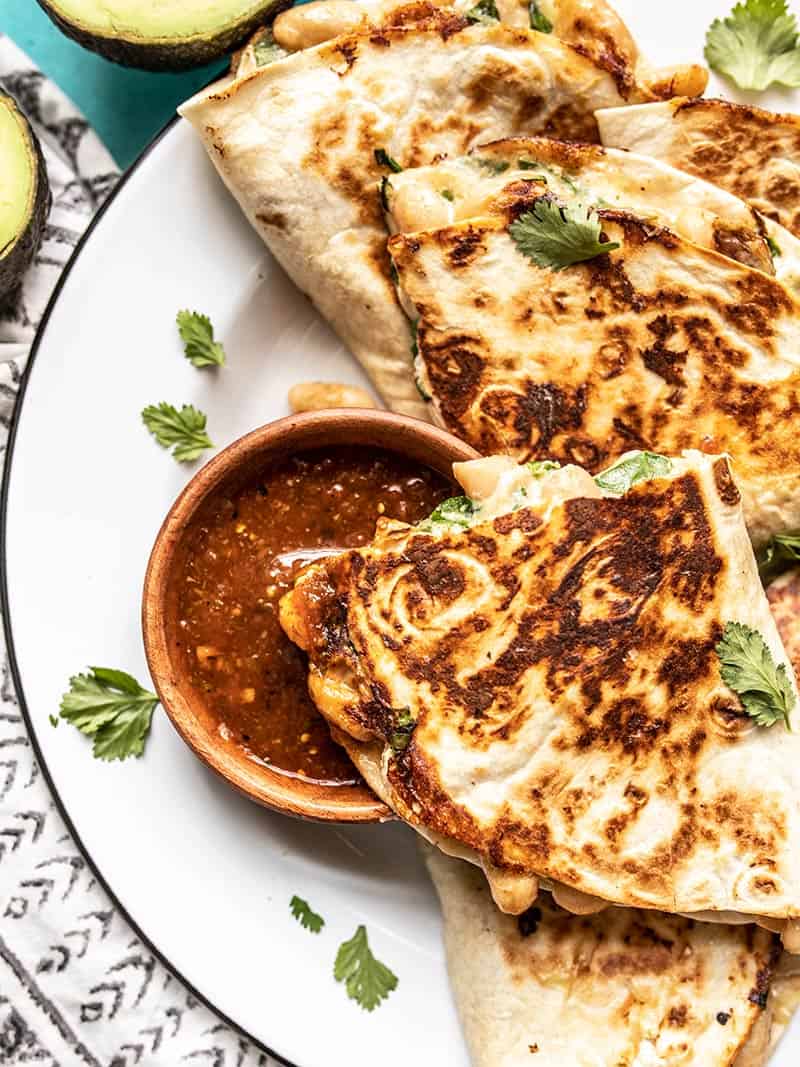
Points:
[(233, 467)]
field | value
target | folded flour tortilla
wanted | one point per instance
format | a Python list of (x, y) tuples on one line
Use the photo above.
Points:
[(295, 142), (749, 151), (661, 344), (622, 987), (531, 681)]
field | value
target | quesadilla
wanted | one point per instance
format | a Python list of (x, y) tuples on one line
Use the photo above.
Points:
[(303, 142), (562, 983), (622, 987), (533, 679), (653, 343), (592, 26), (751, 152), (486, 181)]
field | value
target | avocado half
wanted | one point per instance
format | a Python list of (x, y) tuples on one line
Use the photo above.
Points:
[(172, 35), (24, 194)]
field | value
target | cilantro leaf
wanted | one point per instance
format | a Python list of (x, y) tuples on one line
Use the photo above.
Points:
[(307, 918), (557, 237), (185, 429), (403, 728), (111, 707), (383, 159), (540, 467), (199, 345), (774, 247), (635, 468), (780, 552), (538, 21), (367, 980), (747, 667), (484, 11), (756, 45), (447, 194), (455, 511)]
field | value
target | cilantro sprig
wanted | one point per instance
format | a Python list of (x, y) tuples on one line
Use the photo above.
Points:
[(367, 980), (635, 468), (199, 345), (756, 45), (780, 553), (307, 918), (747, 667), (558, 237), (113, 709), (183, 431)]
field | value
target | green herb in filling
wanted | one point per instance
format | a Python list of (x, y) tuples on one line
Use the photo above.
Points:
[(484, 11), (540, 467), (538, 21), (383, 159), (638, 467), (403, 727), (456, 511)]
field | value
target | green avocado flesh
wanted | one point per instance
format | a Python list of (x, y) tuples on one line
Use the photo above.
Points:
[(155, 21), (161, 34), (24, 195), (17, 176)]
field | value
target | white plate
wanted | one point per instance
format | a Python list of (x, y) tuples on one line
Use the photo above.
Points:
[(204, 874)]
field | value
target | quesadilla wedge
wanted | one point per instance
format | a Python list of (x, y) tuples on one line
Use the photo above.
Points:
[(653, 343), (623, 987), (592, 26), (749, 151), (485, 182), (532, 679), (562, 983), (303, 142)]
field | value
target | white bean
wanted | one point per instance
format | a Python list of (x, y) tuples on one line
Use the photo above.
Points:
[(310, 24), (316, 396)]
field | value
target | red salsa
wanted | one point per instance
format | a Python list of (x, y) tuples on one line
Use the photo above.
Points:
[(243, 554)]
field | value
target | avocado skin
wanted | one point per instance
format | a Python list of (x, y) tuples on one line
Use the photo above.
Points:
[(14, 265), (164, 55)]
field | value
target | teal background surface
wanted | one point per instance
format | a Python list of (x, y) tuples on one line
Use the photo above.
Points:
[(126, 107)]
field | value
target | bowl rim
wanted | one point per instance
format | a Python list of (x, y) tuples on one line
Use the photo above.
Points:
[(292, 434)]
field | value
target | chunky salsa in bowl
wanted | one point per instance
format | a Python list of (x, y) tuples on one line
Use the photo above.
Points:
[(233, 684)]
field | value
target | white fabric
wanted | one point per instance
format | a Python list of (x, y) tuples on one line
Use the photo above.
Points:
[(76, 985)]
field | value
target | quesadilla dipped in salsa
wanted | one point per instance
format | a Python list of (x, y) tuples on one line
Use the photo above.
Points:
[(303, 142), (552, 676), (556, 324), (621, 987), (749, 151)]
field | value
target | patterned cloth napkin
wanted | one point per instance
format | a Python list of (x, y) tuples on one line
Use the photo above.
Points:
[(76, 984)]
